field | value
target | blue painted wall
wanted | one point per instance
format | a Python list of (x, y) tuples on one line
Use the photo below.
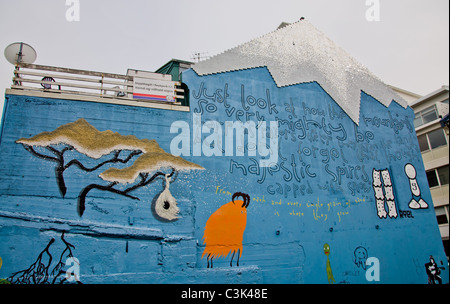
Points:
[(319, 192)]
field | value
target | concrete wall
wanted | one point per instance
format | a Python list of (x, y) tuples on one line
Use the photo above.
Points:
[(312, 216)]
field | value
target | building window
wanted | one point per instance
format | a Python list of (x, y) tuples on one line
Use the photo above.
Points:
[(423, 143), (432, 140), (432, 179), (442, 215), (438, 176), (443, 175), (425, 116), (437, 138)]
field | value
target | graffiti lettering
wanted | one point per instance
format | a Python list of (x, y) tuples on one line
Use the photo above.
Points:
[(234, 164), (290, 108), (319, 211), (285, 189), (364, 151), (341, 213), (405, 214), (320, 216), (259, 199), (289, 168), (222, 191), (331, 187), (395, 124), (303, 122), (209, 107), (334, 113), (312, 111), (260, 102), (303, 125), (208, 103), (296, 213), (361, 137), (347, 171), (217, 96), (360, 187)]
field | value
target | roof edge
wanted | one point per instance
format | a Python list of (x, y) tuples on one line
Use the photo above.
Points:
[(430, 95)]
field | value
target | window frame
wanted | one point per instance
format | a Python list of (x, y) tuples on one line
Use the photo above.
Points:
[(429, 142), (441, 214), (420, 115), (438, 178), (426, 141), (443, 134)]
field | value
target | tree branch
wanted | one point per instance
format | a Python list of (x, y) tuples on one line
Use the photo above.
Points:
[(60, 167), (115, 159), (37, 273), (59, 159), (58, 269), (43, 156), (143, 182), (82, 197)]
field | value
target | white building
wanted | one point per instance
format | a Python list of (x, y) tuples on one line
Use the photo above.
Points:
[(433, 138)]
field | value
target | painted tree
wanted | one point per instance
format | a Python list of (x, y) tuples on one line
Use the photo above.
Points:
[(39, 271), (151, 161)]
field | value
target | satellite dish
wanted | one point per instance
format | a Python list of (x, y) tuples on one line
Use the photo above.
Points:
[(20, 52)]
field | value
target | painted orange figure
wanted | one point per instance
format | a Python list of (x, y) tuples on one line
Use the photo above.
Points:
[(224, 230)]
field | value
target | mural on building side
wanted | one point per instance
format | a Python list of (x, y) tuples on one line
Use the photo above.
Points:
[(417, 201), (80, 136), (321, 160), (433, 272), (224, 230), (384, 193), (330, 277), (164, 205), (360, 257), (39, 272)]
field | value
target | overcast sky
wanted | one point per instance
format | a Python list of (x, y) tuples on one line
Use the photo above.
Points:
[(408, 47)]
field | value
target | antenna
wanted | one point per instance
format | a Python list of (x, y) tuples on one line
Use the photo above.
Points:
[(20, 52), (199, 56)]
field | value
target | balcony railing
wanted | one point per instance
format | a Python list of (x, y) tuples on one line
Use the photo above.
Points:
[(59, 80)]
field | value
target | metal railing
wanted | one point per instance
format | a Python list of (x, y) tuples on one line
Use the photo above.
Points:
[(80, 82)]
